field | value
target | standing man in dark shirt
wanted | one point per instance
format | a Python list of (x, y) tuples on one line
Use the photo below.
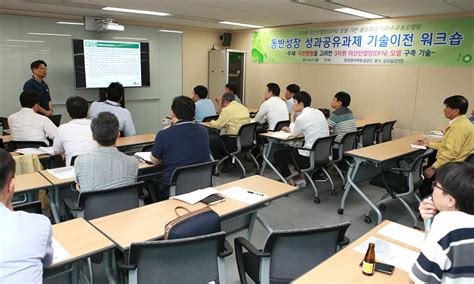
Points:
[(37, 84)]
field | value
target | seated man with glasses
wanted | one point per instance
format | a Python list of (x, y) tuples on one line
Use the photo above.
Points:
[(448, 249)]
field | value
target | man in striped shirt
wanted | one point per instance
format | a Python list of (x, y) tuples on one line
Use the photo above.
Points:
[(341, 120), (447, 253)]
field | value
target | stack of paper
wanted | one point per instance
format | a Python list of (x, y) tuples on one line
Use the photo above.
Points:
[(244, 195), (38, 151), (196, 196), (63, 173), (59, 253), (416, 146), (390, 253), (281, 135), (146, 156)]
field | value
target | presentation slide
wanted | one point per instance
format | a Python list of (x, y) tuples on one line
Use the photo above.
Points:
[(112, 61)]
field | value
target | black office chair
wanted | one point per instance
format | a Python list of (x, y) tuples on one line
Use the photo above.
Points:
[(347, 143), (384, 132), (189, 178), (209, 118), (30, 207), (4, 123), (14, 145), (400, 183), (368, 134), (470, 159), (56, 119), (286, 255), (319, 158), (2, 145), (246, 142), (191, 260)]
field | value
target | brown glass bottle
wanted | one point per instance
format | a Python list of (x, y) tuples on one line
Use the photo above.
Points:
[(368, 264)]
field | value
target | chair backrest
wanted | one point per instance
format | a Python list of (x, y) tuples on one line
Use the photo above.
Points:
[(73, 159), (4, 122), (190, 260), (368, 134), (2, 145), (192, 177), (470, 159), (247, 137), (280, 124), (209, 118), (416, 167), (109, 201), (30, 207), (294, 252), (26, 144), (348, 141), (322, 150), (386, 131), (56, 119)]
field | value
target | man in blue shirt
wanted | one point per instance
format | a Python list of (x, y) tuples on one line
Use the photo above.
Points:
[(37, 84), (204, 106), (184, 143)]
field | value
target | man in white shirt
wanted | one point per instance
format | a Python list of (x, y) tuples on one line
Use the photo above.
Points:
[(312, 124), (25, 238), (75, 137), (291, 90), (273, 109), (27, 125), (114, 96)]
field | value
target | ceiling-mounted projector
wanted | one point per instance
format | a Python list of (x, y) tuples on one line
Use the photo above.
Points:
[(102, 25)]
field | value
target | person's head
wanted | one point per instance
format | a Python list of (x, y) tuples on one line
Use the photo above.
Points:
[(183, 108), (302, 99), (115, 92), (231, 88), (341, 99), (77, 107), (39, 69), (227, 98), (291, 89), (105, 129), (199, 92), (272, 90), (7, 177), (453, 189), (455, 106), (30, 99)]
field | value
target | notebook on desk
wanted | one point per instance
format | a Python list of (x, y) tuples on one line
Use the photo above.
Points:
[(213, 199)]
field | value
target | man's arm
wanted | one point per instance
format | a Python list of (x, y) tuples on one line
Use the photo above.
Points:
[(260, 117), (221, 121), (48, 256), (453, 145), (49, 128), (129, 127), (154, 160)]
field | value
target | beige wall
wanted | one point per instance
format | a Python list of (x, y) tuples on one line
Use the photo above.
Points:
[(196, 46), (411, 95)]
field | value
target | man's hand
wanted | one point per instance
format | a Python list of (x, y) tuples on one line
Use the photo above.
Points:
[(218, 100), (285, 129), (427, 209), (429, 172), (422, 142)]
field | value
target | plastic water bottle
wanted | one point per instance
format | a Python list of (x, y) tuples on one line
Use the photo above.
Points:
[(428, 221)]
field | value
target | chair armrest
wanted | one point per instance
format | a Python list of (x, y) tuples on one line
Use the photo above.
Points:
[(229, 135), (72, 205), (344, 242), (242, 242), (165, 183), (125, 266), (396, 170), (227, 250)]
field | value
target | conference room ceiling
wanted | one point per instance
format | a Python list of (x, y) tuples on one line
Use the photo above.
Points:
[(267, 13)]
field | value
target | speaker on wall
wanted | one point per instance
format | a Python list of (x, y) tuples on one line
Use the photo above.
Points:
[(226, 39)]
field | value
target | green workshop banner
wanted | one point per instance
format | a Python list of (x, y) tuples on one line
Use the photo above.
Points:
[(437, 42)]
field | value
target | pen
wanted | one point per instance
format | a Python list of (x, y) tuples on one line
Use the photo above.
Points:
[(146, 162), (256, 193)]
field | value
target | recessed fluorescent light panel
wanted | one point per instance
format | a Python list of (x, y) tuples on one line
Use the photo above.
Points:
[(240, 24), (22, 40), (133, 11), (48, 34), (11, 45), (70, 23), (129, 38), (358, 13), (171, 31)]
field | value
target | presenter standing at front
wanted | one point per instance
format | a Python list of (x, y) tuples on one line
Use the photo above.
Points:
[(37, 84)]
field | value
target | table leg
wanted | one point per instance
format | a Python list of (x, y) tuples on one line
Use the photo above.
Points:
[(53, 200), (266, 161), (264, 223), (108, 267), (350, 183)]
